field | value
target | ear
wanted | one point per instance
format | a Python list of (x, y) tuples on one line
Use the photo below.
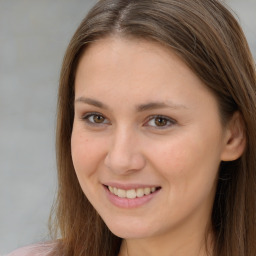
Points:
[(235, 140)]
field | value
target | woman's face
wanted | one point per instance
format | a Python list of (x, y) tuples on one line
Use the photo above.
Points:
[(147, 139)]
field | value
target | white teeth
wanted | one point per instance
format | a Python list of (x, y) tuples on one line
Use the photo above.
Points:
[(140, 192), (153, 189), (121, 193), (111, 189), (147, 191), (131, 193)]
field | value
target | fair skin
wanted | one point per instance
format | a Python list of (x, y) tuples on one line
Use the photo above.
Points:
[(148, 128)]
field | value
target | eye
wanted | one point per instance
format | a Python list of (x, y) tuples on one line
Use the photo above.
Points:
[(95, 119), (160, 122)]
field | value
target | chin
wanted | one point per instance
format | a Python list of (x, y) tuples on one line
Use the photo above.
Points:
[(126, 229)]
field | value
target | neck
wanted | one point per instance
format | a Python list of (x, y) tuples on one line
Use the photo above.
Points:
[(195, 244)]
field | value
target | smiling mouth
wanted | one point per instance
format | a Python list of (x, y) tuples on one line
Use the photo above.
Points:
[(132, 193)]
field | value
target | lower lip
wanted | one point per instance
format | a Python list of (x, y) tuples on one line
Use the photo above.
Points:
[(127, 202)]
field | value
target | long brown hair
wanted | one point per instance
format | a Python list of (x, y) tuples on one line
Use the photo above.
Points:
[(206, 36)]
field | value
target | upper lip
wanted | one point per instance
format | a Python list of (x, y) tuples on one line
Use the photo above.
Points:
[(128, 186)]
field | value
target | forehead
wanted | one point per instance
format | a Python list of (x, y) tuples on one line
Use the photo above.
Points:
[(135, 71), (121, 50), (129, 59)]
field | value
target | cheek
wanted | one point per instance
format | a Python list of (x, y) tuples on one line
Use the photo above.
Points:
[(173, 156), (188, 163), (85, 154), (189, 170)]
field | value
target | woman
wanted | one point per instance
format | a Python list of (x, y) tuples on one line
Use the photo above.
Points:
[(156, 133)]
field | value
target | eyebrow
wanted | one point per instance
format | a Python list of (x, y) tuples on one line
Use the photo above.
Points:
[(92, 102), (139, 108), (158, 105)]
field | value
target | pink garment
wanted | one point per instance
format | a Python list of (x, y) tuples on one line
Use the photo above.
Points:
[(33, 250)]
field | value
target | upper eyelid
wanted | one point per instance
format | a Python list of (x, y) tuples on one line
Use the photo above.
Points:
[(91, 114), (85, 117), (171, 121), (149, 118), (162, 116)]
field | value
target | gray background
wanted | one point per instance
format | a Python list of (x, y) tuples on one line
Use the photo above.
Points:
[(33, 38)]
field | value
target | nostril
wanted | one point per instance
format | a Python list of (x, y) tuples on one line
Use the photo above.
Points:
[(124, 162)]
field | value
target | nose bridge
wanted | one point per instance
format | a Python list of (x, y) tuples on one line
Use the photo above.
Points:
[(124, 153)]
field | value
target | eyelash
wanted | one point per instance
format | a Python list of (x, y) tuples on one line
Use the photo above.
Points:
[(166, 119), (93, 114)]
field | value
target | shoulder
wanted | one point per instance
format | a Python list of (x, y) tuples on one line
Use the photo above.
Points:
[(42, 249)]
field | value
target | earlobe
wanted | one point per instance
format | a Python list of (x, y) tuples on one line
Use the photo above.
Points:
[(235, 139)]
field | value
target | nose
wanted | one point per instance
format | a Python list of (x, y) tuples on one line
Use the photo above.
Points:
[(124, 154)]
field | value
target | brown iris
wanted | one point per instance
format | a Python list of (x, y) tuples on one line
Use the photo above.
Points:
[(160, 121), (98, 119)]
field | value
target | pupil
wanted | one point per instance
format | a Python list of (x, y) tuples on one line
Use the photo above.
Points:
[(98, 119), (161, 121)]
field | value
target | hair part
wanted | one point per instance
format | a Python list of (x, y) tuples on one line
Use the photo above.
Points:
[(205, 35)]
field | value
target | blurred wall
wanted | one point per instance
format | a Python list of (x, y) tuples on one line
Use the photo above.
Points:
[(33, 38)]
